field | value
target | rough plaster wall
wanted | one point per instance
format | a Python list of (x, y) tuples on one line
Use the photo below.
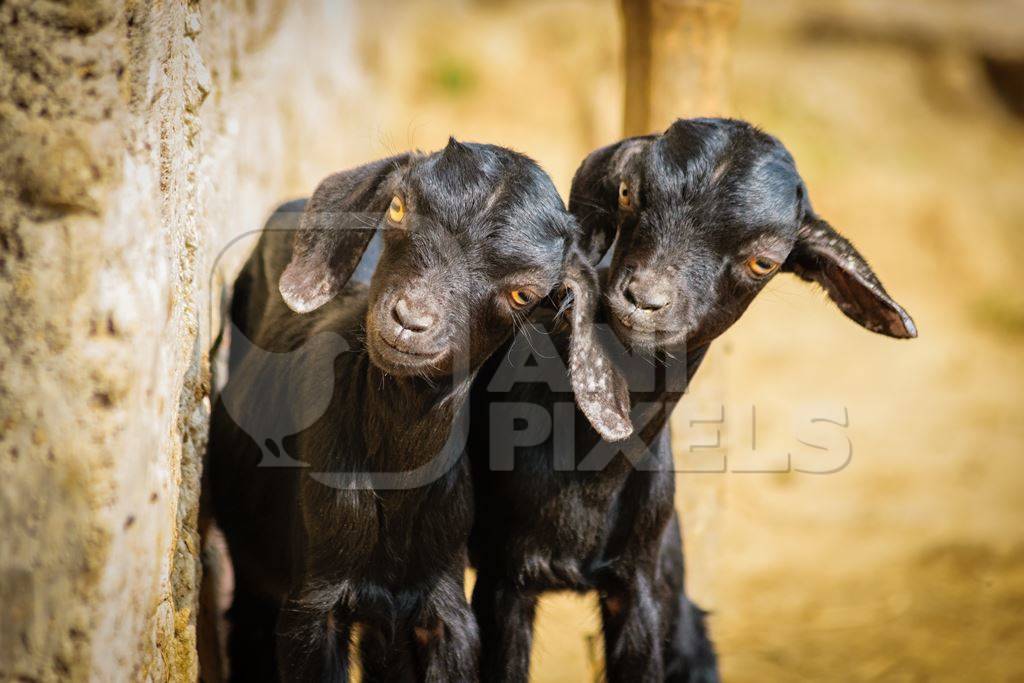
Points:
[(136, 140)]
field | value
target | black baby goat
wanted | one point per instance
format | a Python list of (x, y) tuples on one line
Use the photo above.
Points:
[(702, 217), (371, 529)]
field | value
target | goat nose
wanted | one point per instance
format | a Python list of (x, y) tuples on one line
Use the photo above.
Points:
[(414, 317), (648, 296)]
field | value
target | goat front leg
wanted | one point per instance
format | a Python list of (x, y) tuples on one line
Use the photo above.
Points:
[(312, 645), (505, 616), (631, 621), (689, 654), (445, 636)]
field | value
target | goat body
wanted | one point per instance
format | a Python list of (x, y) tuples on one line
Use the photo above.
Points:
[(377, 557), (701, 217), (335, 463), (598, 516)]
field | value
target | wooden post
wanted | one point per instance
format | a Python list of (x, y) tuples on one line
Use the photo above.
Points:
[(676, 60), (677, 66)]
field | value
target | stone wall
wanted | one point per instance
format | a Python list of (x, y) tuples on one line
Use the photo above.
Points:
[(136, 140)]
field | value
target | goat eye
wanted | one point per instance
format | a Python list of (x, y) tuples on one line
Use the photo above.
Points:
[(396, 211), (520, 298), (625, 201), (761, 266)]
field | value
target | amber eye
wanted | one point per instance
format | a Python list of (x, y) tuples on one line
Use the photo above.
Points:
[(625, 198), (761, 266), (396, 211), (520, 298)]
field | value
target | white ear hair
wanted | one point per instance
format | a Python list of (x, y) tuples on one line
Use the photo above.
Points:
[(601, 392)]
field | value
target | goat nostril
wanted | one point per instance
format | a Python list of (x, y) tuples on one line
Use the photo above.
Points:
[(629, 294), (411, 317)]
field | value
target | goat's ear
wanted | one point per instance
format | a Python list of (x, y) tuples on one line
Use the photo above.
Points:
[(337, 224), (824, 256), (601, 392), (594, 197)]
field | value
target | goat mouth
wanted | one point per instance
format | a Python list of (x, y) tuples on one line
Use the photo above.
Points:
[(408, 352), (626, 322), (643, 336), (393, 359)]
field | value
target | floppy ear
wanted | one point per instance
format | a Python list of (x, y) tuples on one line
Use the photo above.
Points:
[(601, 392), (337, 224), (594, 197), (824, 256)]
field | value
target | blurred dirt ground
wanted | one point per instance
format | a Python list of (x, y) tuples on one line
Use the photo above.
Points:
[(908, 563)]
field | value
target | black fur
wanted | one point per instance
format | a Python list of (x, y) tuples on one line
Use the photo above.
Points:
[(688, 210), (350, 535)]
